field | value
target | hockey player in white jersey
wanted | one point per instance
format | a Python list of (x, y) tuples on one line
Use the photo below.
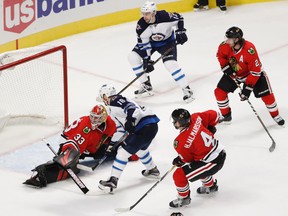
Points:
[(155, 32), (141, 124)]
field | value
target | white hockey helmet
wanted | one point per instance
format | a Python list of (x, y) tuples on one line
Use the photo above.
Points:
[(107, 90), (149, 7)]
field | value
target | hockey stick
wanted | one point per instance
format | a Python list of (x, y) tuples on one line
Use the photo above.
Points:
[(273, 145), (74, 177), (131, 207), (114, 147), (143, 72)]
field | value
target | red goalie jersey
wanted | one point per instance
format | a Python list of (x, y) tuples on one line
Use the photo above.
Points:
[(80, 135), (196, 142)]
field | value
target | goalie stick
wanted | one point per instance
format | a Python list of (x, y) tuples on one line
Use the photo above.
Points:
[(273, 145), (137, 77), (131, 207), (74, 177)]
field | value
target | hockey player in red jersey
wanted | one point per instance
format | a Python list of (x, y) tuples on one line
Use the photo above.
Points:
[(200, 155), (84, 137), (241, 65)]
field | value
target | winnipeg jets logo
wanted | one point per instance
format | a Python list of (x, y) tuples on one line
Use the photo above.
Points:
[(157, 37)]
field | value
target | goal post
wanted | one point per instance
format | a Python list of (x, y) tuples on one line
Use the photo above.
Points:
[(34, 85)]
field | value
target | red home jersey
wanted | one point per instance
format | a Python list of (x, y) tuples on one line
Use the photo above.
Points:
[(85, 138), (248, 62), (196, 142)]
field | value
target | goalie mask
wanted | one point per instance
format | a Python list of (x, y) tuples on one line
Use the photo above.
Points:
[(98, 115), (182, 116)]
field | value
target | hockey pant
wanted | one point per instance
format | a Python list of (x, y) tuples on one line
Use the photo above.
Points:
[(262, 90), (197, 170), (169, 61), (136, 143)]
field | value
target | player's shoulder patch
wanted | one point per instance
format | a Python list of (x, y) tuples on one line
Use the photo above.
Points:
[(175, 144), (86, 130), (223, 43), (138, 27), (251, 51)]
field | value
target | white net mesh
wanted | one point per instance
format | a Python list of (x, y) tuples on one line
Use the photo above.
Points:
[(34, 89)]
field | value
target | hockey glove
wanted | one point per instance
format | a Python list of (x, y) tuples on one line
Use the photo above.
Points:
[(110, 150), (178, 162), (212, 129), (245, 92), (228, 70), (130, 124), (181, 36), (148, 64)]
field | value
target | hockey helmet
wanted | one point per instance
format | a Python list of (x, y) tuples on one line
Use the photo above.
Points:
[(234, 32), (149, 7), (107, 90), (98, 115), (182, 116)]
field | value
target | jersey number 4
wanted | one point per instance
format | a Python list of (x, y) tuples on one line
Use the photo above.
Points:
[(207, 139)]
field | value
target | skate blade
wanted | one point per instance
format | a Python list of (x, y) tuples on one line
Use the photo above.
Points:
[(188, 100), (145, 94), (106, 190)]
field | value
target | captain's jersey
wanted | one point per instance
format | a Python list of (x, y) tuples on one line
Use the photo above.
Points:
[(159, 33), (80, 136), (249, 67), (196, 142)]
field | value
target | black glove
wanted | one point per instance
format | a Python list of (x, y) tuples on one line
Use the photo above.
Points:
[(228, 70), (245, 92), (148, 64), (212, 129), (130, 124), (110, 150), (178, 162), (181, 36)]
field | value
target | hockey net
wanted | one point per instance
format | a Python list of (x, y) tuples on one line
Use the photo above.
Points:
[(33, 86)]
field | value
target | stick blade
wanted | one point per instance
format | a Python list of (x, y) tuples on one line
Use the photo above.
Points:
[(122, 209), (272, 147)]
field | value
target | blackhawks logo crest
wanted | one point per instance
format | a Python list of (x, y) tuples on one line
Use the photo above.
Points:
[(175, 144), (86, 130), (251, 51)]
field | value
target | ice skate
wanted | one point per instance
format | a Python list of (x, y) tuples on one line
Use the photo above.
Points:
[(226, 119), (180, 202), (223, 8), (109, 185), (279, 120), (152, 173), (198, 7), (188, 94), (208, 190), (145, 90), (38, 178)]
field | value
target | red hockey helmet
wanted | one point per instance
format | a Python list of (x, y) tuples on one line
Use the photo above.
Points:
[(98, 115)]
